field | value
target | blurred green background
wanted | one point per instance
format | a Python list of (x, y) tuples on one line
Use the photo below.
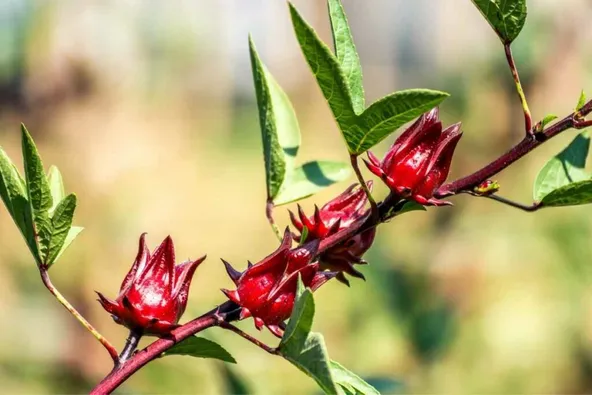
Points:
[(148, 109)]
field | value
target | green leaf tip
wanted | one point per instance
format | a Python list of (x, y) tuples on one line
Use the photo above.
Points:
[(506, 17), (581, 101), (339, 77)]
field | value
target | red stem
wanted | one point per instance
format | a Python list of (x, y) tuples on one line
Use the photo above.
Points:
[(227, 312), (528, 144)]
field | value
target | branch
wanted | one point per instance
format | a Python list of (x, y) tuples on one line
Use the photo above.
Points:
[(64, 302), (528, 144), (114, 379), (511, 203), (514, 70), (232, 328), (228, 311)]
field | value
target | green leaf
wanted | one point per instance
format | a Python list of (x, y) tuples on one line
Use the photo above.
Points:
[(11, 187), (360, 131), (506, 17), (388, 114), (279, 127), (310, 178), (61, 223), (326, 70), (581, 101), (545, 121), (234, 383), (72, 234), (351, 382), (56, 186), (346, 53), (200, 348), (304, 349), (39, 196), (572, 194), (565, 168), (410, 206)]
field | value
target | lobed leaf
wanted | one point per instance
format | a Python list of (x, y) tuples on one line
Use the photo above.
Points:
[(360, 129), (200, 348), (279, 127), (56, 187), (506, 17), (347, 56), (565, 168), (61, 224)]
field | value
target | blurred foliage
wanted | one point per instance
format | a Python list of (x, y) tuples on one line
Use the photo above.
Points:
[(150, 114)]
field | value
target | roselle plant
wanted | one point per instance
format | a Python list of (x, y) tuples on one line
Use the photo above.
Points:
[(330, 242)]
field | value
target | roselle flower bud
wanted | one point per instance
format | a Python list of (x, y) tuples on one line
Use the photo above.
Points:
[(266, 291), (342, 212), (418, 162), (153, 295)]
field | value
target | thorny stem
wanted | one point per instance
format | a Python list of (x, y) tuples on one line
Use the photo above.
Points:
[(528, 144), (512, 64), (374, 208), (269, 214), (227, 312), (64, 302), (230, 327)]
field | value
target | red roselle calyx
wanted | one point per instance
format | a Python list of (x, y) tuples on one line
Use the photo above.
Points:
[(266, 291), (418, 162), (153, 295), (342, 212)]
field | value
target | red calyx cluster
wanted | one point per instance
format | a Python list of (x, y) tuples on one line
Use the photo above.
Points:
[(342, 212), (419, 160), (153, 295), (266, 291)]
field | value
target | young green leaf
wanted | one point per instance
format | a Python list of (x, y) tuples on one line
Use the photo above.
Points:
[(61, 223), (39, 195), (310, 178), (279, 127), (565, 168), (581, 101), (544, 122), (56, 186), (234, 383), (572, 194), (200, 348), (346, 54), (305, 349), (506, 17), (351, 382), (360, 130)]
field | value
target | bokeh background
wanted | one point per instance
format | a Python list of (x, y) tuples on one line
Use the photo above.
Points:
[(148, 109)]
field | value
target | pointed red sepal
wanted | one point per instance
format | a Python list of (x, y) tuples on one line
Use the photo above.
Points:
[(232, 272), (304, 219), (244, 313), (377, 171), (258, 323), (276, 330), (107, 303), (295, 221), (321, 278), (342, 279), (232, 295)]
